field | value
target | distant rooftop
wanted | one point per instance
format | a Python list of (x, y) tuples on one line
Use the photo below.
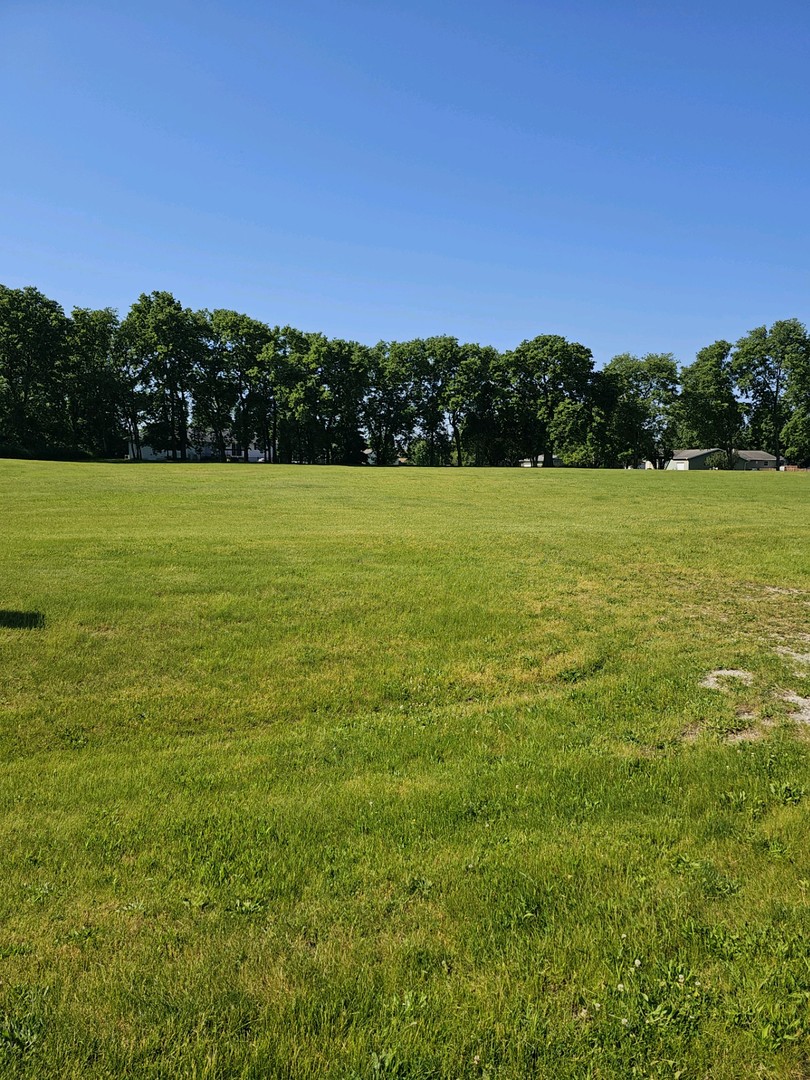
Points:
[(687, 455), (743, 455), (754, 455)]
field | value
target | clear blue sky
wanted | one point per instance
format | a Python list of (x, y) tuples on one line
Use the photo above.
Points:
[(633, 175)]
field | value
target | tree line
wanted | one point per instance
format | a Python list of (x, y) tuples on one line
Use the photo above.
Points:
[(90, 384)]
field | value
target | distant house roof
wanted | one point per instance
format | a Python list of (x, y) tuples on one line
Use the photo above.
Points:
[(754, 455), (687, 455)]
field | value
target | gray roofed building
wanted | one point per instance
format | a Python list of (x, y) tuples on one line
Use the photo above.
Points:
[(755, 459), (691, 459), (744, 460)]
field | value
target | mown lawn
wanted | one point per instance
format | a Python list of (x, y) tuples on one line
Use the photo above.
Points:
[(316, 772)]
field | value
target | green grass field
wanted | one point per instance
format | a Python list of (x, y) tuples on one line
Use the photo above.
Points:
[(314, 772)]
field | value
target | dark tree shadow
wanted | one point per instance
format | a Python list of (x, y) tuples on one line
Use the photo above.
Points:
[(21, 620)]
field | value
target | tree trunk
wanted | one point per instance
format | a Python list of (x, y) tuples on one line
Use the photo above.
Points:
[(136, 438), (172, 429), (182, 415), (457, 440)]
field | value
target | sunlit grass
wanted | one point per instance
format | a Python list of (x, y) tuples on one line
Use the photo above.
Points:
[(316, 772)]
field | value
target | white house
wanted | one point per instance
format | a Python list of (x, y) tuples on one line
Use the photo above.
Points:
[(206, 452), (526, 463)]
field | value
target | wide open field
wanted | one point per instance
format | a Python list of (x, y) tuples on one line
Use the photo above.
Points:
[(409, 773)]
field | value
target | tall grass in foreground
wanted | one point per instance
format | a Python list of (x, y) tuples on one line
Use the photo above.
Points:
[(321, 773)]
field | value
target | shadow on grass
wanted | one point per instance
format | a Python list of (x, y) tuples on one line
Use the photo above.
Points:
[(21, 620)]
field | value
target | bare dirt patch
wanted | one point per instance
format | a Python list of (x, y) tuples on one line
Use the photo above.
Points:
[(800, 658), (716, 680), (749, 730), (801, 706), (753, 733)]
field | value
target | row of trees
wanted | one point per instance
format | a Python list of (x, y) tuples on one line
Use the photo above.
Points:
[(173, 378)]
